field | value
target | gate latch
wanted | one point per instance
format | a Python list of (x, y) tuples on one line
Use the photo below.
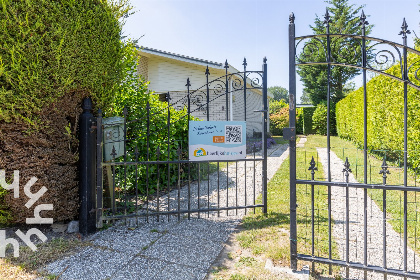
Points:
[(289, 133)]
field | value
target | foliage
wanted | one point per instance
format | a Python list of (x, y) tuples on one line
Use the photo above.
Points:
[(274, 109), (5, 215), (345, 20), (385, 99), (307, 114), (153, 144), (305, 99), (276, 106), (319, 119), (255, 145), (279, 120), (53, 54), (299, 120), (279, 117), (53, 48), (279, 93)]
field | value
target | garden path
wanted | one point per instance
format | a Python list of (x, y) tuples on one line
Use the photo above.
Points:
[(170, 249), (394, 248)]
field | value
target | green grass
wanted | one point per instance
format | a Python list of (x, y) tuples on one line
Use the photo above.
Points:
[(268, 234), (279, 140), (395, 199)]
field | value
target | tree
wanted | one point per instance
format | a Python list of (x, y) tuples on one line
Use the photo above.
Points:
[(305, 99), (344, 20), (279, 93)]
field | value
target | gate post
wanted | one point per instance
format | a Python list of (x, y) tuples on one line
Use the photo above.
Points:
[(99, 178), (292, 142), (87, 170), (264, 135)]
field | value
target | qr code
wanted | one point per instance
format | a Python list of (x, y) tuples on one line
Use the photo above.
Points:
[(233, 134)]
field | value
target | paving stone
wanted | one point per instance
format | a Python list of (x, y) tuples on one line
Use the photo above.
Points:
[(73, 227)]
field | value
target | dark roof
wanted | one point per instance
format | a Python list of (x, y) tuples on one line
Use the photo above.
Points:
[(193, 59)]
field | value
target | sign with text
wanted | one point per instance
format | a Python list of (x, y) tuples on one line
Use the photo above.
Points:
[(217, 140)]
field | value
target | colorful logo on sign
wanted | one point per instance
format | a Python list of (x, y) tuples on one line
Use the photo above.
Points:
[(200, 152), (218, 139)]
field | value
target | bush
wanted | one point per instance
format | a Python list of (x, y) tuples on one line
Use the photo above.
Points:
[(279, 120), (299, 120), (319, 119), (53, 54), (385, 99), (306, 118), (276, 106)]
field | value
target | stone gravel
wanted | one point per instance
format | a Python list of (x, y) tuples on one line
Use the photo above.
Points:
[(394, 248), (169, 248)]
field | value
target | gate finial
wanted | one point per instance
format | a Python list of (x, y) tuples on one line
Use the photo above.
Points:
[(188, 82), (226, 65), (312, 166), (265, 60), (384, 170), (347, 169), (363, 21), (207, 71), (327, 19), (292, 18), (404, 29)]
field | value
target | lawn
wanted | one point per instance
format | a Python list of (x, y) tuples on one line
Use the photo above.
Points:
[(267, 236)]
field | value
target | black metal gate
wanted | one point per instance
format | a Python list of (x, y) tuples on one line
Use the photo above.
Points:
[(143, 165), (367, 47)]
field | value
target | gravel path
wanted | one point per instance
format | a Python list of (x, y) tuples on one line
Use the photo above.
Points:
[(394, 247), (239, 184), (173, 249)]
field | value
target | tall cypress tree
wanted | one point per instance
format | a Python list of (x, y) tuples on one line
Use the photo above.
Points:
[(345, 19)]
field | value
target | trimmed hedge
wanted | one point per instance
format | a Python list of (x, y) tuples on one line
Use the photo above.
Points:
[(385, 123), (307, 113), (52, 55)]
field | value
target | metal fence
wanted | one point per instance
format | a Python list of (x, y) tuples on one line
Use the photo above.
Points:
[(360, 218), (145, 172)]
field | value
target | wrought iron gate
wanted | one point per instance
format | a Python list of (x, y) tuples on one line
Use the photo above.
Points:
[(396, 54), (144, 170)]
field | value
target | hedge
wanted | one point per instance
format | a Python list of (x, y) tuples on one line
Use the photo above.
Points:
[(307, 113), (52, 55), (385, 115)]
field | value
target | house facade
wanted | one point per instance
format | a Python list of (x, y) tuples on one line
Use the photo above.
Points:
[(168, 72)]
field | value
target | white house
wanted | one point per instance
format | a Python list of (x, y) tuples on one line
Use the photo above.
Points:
[(168, 72)]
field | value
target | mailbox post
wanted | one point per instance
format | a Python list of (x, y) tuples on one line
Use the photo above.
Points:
[(113, 148)]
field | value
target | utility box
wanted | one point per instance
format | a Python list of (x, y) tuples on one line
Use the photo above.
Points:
[(113, 137)]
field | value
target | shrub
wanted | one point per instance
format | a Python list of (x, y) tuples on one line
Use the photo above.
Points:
[(385, 99), (279, 120), (319, 119), (299, 120), (306, 118), (52, 55), (276, 106)]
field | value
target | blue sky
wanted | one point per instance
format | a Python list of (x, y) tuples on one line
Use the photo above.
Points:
[(233, 29)]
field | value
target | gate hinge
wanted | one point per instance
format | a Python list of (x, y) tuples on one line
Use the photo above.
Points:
[(289, 133)]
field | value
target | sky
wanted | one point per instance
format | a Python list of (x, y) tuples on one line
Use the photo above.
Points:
[(217, 30)]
